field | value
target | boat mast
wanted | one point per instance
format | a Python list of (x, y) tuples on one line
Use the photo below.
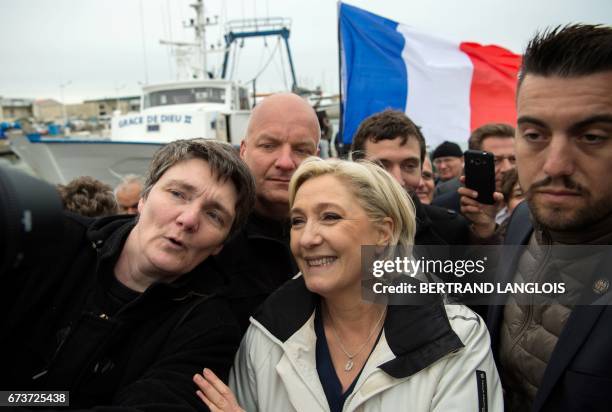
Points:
[(183, 51), (200, 37)]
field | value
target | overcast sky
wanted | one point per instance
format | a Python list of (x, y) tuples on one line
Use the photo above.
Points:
[(97, 45)]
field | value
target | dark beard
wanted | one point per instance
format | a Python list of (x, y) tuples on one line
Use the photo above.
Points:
[(557, 219)]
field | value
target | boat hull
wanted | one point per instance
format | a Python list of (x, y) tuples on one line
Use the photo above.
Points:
[(60, 160)]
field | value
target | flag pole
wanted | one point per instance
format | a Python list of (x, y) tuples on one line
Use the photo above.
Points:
[(341, 103)]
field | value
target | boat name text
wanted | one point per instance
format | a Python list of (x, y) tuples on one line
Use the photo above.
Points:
[(154, 119)]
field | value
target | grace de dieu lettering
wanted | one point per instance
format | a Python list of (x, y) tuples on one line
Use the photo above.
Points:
[(154, 119)]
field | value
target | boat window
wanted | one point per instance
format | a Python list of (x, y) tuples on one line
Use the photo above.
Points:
[(185, 96)]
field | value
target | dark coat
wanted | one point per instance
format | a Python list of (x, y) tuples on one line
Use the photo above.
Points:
[(578, 376), (448, 186), (439, 226), (448, 200), (141, 358), (257, 261)]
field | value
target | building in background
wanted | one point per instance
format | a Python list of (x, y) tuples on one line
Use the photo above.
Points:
[(106, 106), (47, 110), (12, 109)]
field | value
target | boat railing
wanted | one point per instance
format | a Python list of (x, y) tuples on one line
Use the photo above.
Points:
[(258, 24)]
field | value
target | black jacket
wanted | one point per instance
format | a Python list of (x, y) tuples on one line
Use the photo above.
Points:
[(448, 200), (578, 376), (142, 357), (257, 260), (439, 226)]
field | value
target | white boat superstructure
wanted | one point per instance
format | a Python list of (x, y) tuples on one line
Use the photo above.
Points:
[(210, 109)]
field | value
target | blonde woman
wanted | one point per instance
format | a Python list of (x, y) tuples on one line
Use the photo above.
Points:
[(315, 345)]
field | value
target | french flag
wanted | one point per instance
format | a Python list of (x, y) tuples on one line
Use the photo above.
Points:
[(447, 88)]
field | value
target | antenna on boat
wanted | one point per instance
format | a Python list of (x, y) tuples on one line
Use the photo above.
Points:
[(200, 35), (183, 50)]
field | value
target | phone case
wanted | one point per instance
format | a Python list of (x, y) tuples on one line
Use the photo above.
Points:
[(480, 174)]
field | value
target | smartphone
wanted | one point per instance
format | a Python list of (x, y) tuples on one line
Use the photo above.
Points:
[(479, 171)]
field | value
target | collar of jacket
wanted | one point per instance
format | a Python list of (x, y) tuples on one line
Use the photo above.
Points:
[(108, 235), (418, 336)]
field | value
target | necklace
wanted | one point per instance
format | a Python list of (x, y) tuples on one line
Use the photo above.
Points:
[(349, 363)]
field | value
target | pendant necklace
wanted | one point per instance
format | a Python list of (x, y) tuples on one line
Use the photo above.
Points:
[(349, 363)]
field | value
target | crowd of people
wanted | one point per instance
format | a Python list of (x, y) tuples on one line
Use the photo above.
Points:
[(233, 280)]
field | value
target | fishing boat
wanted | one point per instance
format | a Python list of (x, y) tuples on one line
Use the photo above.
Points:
[(196, 105)]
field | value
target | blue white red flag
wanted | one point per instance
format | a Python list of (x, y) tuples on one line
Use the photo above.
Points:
[(448, 88)]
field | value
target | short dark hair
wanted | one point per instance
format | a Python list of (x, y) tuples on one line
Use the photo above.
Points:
[(225, 164), (88, 197), (386, 125), (489, 130), (568, 51)]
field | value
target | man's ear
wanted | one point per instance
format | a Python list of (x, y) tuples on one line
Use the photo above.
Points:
[(242, 148), (385, 231)]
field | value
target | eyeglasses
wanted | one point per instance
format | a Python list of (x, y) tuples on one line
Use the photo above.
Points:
[(499, 159)]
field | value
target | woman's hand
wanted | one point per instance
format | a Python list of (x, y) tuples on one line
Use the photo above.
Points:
[(214, 393)]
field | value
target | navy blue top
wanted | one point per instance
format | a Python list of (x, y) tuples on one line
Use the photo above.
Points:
[(325, 368)]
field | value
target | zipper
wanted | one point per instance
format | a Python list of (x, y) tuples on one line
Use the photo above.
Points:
[(529, 315), (63, 340)]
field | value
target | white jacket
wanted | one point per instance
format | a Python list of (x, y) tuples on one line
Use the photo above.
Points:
[(428, 358)]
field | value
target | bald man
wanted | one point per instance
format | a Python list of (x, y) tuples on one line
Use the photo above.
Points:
[(127, 194), (283, 131)]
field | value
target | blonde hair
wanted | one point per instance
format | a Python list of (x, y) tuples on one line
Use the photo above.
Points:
[(378, 193)]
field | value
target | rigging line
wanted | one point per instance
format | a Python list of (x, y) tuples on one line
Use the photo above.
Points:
[(283, 68), (223, 18), (230, 62), (185, 18), (236, 59), (144, 48), (266, 65), (278, 72), (262, 55), (169, 20), (238, 56), (221, 34), (169, 33)]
